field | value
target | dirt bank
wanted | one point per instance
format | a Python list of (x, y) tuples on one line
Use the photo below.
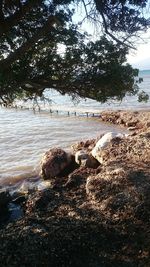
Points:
[(100, 217)]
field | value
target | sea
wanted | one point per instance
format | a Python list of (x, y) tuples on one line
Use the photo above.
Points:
[(27, 132)]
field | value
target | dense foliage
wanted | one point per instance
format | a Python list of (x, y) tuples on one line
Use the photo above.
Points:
[(41, 47)]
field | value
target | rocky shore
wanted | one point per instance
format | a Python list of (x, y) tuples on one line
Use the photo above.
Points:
[(133, 120), (96, 211)]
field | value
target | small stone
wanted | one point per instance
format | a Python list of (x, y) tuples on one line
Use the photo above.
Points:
[(131, 123), (132, 128), (81, 157)]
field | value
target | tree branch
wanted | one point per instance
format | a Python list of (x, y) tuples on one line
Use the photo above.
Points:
[(8, 23), (5, 63), (1, 12), (110, 34)]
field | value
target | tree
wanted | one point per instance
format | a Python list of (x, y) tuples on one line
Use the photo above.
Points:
[(31, 33)]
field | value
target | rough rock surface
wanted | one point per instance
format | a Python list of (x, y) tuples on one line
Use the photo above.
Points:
[(84, 158), (130, 151), (81, 157), (104, 142), (54, 162), (87, 145), (124, 182)]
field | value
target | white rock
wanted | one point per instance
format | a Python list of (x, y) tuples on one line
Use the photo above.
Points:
[(81, 157), (103, 143)]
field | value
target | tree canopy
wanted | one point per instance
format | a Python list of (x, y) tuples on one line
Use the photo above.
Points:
[(32, 34)]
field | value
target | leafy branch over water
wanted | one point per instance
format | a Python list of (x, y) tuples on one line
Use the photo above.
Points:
[(32, 33)]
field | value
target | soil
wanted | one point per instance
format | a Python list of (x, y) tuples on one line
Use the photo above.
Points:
[(93, 217)]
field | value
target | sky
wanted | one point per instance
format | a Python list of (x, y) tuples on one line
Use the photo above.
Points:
[(141, 57)]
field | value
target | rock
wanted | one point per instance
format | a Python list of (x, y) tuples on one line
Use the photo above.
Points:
[(92, 162), (140, 119), (120, 191), (54, 162), (84, 145), (106, 185), (132, 128), (103, 143), (4, 201), (40, 200), (131, 123), (78, 177), (84, 158), (81, 157), (74, 180)]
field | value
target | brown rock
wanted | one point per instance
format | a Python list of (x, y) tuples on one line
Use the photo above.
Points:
[(78, 177), (39, 201), (120, 192), (84, 145), (54, 162)]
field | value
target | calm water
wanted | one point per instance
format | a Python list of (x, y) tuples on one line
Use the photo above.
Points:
[(25, 136)]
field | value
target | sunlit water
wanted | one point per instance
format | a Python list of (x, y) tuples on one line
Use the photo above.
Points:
[(25, 136)]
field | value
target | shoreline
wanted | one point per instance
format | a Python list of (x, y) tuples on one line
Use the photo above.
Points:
[(100, 217), (138, 119)]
